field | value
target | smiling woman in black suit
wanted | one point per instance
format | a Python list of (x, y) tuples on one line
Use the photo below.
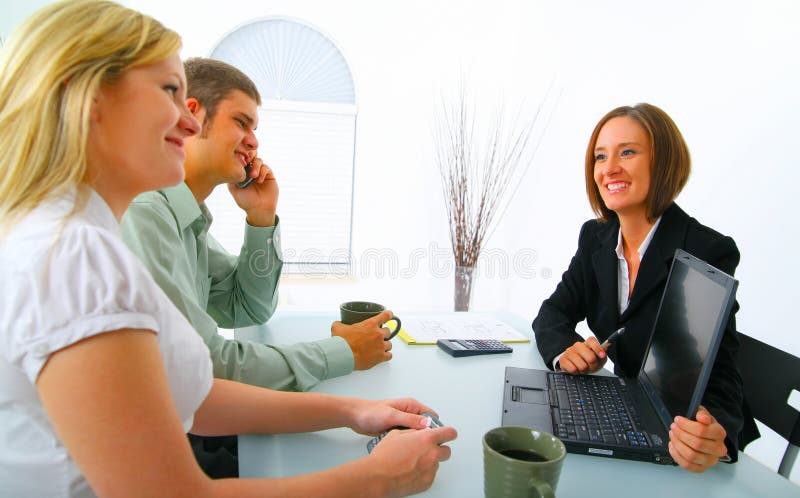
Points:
[(636, 165)]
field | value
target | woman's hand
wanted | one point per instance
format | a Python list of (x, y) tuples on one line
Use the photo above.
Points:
[(583, 357), (375, 417), (405, 461), (697, 445), (409, 459)]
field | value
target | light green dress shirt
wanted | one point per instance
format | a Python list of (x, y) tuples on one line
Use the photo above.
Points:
[(168, 231)]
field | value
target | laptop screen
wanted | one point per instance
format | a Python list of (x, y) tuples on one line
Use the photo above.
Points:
[(694, 311)]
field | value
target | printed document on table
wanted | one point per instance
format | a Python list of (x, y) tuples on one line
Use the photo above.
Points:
[(427, 329)]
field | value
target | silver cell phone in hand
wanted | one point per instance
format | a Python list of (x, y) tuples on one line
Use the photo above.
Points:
[(433, 422), (248, 180)]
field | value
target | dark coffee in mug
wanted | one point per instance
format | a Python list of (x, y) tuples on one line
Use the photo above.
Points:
[(521, 461), (523, 454)]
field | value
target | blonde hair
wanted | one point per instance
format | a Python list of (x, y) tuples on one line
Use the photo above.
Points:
[(51, 68)]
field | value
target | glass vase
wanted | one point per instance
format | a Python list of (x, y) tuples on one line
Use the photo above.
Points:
[(464, 278)]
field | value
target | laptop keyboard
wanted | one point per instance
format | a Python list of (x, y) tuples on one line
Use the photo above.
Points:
[(591, 408)]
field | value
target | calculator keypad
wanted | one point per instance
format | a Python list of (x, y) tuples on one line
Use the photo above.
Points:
[(485, 344), (472, 347)]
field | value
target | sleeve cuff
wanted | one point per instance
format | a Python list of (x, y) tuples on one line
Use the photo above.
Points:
[(555, 365), (80, 329), (261, 237), (338, 355)]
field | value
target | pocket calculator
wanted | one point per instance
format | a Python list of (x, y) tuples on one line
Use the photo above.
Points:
[(472, 347)]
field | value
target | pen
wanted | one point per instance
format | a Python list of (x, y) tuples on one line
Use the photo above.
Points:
[(613, 338)]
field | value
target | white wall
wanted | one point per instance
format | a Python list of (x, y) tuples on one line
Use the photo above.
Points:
[(727, 72)]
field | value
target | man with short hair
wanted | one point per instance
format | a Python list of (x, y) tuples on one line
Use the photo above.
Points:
[(168, 231)]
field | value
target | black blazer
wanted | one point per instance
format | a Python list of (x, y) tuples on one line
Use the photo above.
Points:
[(588, 290)]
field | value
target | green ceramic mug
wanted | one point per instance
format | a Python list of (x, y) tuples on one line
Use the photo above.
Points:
[(358, 311), (520, 461)]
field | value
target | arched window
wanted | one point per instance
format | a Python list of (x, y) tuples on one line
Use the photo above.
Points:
[(306, 131)]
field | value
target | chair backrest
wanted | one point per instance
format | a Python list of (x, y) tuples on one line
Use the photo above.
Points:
[(768, 376)]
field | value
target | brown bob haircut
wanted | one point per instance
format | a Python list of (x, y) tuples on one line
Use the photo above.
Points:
[(211, 81), (670, 164)]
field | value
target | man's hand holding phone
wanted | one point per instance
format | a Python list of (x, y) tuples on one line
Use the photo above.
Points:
[(248, 178), (259, 198)]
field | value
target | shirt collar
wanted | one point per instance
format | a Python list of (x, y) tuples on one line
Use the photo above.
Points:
[(96, 210), (184, 205), (645, 242)]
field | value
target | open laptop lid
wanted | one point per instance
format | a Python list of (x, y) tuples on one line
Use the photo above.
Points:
[(688, 329)]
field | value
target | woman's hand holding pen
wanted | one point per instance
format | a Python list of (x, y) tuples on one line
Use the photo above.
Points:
[(583, 357), (588, 356)]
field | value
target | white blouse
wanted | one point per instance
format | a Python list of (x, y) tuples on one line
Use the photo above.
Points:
[(62, 279), (623, 272)]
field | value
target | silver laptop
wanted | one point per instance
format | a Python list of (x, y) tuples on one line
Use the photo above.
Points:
[(629, 418)]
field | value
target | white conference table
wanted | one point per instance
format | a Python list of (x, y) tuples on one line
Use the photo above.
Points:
[(467, 393)]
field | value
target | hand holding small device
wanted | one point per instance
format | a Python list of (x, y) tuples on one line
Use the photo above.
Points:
[(260, 200), (410, 459), (433, 422), (588, 356), (249, 179)]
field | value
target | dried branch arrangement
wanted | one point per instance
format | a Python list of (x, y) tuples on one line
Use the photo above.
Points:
[(477, 170)]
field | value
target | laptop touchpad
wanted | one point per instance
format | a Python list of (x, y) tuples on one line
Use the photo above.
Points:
[(532, 396)]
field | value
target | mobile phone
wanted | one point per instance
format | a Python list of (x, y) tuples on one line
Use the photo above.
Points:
[(248, 180), (432, 422)]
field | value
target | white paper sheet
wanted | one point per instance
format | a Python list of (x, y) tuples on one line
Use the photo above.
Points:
[(427, 329)]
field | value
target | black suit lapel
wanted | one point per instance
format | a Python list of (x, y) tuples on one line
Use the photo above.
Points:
[(604, 261), (657, 259)]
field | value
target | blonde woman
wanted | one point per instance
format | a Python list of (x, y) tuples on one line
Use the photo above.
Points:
[(97, 367)]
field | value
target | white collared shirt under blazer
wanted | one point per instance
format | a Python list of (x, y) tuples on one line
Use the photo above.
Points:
[(63, 278)]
